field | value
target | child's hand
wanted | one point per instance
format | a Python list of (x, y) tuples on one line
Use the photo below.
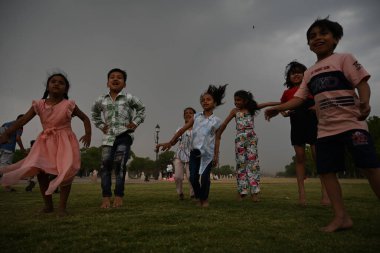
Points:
[(286, 113), (86, 140), (270, 113), (132, 126), (105, 129), (164, 146), (365, 109)]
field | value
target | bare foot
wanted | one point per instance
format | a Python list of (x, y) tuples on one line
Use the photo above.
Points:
[(118, 202), (205, 203), (106, 203), (62, 212), (9, 189), (47, 209), (301, 199), (302, 202), (241, 197), (325, 202), (338, 224), (255, 197)]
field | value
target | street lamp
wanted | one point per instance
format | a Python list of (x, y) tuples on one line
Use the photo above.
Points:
[(157, 130)]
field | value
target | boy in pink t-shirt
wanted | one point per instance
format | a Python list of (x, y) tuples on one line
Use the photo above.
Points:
[(341, 115)]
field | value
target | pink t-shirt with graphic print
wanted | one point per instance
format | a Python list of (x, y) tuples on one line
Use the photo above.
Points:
[(332, 82)]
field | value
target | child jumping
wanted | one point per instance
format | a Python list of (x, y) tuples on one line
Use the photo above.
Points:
[(341, 115), (122, 114), (303, 122), (204, 124), (56, 149), (246, 155), (182, 155)]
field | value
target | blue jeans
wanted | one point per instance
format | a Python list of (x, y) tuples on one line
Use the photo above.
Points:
[(117, 157), (202, 189)]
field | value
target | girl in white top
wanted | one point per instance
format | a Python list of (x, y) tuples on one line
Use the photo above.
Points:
[(204, 124)]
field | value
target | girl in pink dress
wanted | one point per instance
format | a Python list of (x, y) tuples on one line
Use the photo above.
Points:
[(56, 150)]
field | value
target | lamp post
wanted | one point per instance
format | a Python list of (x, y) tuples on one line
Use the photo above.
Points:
[(157, 130)]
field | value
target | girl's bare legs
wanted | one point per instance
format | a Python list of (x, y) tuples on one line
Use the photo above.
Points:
[(300, 173), (373, 176), (341, 218), (255, 197), (178, 175), (64, 195), (325, 201), (43, 181)]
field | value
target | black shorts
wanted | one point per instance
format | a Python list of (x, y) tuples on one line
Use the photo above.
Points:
[(303, 128), (330, 151)]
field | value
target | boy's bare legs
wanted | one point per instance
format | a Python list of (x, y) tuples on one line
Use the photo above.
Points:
[(64, 195), (43, 182), (106, 203), (373, 176), (325, 201), (300, 173), (118, 201), (204, 203), (341, 218)]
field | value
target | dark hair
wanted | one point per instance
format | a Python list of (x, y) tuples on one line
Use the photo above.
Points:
[(248, 97), (325, 24), (46, 93), (293, 67), (124, 73), (189, 108), (217, 93)]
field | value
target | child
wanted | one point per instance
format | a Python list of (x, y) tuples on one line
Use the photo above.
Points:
[(247, 162), (56, 149), (341, 115), (7, 150), (181, 159), (204, 124), (303, 122), (118, 124)]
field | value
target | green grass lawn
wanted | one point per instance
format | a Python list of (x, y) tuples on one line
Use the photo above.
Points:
[(154, 220)]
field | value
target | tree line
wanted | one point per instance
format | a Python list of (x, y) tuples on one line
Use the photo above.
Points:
[(91, 160), (137, 166)]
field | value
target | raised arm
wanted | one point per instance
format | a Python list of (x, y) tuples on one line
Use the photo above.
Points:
[(20, 122), (291, 104), (219, 133), (266, 104), (167, 145)]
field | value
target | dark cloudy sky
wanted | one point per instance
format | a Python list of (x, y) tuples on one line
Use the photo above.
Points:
[(172, 50)]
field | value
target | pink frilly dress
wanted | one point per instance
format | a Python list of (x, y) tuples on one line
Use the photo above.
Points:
[(55, 151)]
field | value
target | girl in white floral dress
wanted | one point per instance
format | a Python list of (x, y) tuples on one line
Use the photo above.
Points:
[(247, 162)]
